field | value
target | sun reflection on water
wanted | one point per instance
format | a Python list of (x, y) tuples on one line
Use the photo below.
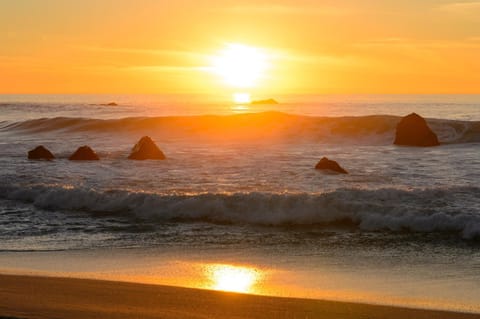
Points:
[(240, 109), (232, 278)]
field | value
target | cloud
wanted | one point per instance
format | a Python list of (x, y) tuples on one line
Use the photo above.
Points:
[(461, 7), (406, 43), (141, 51), (474, 39), (165, 68), (153, 60), (275, 9), (323, 59)]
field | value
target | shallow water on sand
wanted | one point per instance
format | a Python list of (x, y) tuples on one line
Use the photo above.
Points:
[(427, 277)]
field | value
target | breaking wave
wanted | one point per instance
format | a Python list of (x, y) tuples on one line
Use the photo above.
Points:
[(426, 210), (252, 125)]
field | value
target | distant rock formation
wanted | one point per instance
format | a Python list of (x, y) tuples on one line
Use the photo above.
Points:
[(326, 164), (268, 101), (413, 130), (84, 153), (109, 104), (40, 153), (146, 149)]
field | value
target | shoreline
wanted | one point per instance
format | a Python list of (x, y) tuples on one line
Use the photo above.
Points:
[(24, 296)]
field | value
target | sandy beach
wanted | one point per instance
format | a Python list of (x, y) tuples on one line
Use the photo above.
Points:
[(48, 297)]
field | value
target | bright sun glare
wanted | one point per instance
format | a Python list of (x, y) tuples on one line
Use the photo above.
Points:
[(240, 66), (233, 278), (241, 98)]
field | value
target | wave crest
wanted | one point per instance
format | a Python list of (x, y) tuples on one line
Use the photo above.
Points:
[(427, 210), (379, 128)]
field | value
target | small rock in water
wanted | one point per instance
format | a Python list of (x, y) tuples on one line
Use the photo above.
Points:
[(326, 164), (146, 149), (40, 153), (413, 130), (84, 153), (109, 104)]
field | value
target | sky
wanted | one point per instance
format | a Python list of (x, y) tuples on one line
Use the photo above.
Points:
[(321, 47)]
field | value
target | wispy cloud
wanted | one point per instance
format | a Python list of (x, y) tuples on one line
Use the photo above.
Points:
[(166, 68), (434, 56), (154, 60), (322, 59), (388, 41), (276, 9), (396, 43), (141, 51), (474, 39), (461, 7)]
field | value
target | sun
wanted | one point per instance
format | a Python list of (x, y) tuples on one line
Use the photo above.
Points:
[(240, 66)]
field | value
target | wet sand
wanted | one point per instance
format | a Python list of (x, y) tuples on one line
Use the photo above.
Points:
[(48, 297)]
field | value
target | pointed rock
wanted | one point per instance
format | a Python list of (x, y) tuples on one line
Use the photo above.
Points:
[(84, 153), (326, 164), (40, 153), (413, 130), (146, 149)]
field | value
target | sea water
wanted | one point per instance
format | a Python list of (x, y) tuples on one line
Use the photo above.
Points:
[(239, 187)]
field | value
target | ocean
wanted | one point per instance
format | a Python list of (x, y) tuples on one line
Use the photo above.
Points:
[(239, 188)]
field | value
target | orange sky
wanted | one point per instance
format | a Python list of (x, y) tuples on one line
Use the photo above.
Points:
[(147, 46)]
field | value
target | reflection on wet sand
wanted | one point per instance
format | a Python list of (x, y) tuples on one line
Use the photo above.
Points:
[(232, 278)]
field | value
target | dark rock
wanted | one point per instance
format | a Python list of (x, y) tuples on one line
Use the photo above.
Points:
[(84, 153), (109, 104), (413, 130), (268, 101), (146, 149), (326, 164), (40, 153)]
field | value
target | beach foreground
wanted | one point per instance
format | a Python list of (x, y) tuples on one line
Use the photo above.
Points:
[(48, 297)]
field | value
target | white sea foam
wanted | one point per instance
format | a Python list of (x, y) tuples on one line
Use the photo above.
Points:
[(428, 210)]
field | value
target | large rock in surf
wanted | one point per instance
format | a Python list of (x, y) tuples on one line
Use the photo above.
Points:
[(146, 149), (326, 164), (84, 153), (40, 153), (413, 130)]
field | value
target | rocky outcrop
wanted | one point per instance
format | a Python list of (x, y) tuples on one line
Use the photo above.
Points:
[(146, 149), (109, 104), (413, 130), (326, 164), (84, 153), (40, 153)]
